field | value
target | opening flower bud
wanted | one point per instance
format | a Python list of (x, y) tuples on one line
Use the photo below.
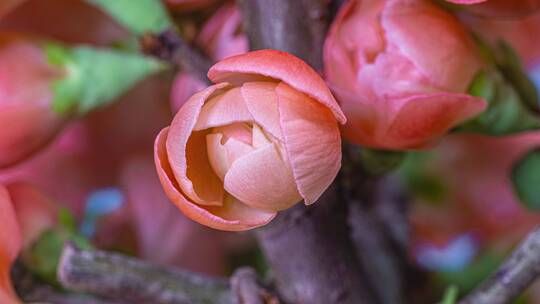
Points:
[(262, 139)]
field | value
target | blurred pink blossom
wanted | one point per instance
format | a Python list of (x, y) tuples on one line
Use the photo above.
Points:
[(400, 70)]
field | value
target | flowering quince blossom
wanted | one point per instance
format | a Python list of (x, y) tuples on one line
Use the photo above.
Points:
[(478, 197), (522, 34), (261, 139), (500, 8), (25, 213), (400, 70), (10, 245), (25, 100), (220, 37)]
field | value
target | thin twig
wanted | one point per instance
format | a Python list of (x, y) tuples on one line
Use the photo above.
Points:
[(32, 290), (172, 47), (122, 278), (513, 276), (309, 248)]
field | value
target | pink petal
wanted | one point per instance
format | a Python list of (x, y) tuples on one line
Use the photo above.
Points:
[(223, 109), (184, 86), (312, 142), (232, 216), (421, 119), (31, 128), (10, 245), (35, 212), (158, 224), (221, 156), (222, 35), (429, 36), (261, 101), (277, 65), (259, 139), (239, 131), (262, 180), (187, 153)]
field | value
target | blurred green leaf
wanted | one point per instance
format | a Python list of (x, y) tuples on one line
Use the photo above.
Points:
[(95, 77), (138, 16), (526, 179), (419, 180), (45, 254), (66, 220), (450, 295), (379, 162), (510, 65), (506, 112)]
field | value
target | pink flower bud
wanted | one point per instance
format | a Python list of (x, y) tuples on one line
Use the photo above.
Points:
[(521, 33), (500, 8), (35, 212), (400, 70), (10, 245), (26, 112), (220, 37), (260, 140)]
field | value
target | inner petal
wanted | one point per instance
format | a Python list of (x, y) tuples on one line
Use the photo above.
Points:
[(206, 188), (223, 109), (222, 155), (239, 131), (262, 180)]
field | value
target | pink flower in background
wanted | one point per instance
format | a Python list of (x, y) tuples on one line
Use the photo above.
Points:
[(25, 100), (35, 212), (10, 245), (263, 138), (75, 21), (220, 37), (383, 60), (476, 171), (500, 8), (522, 34), (24, 214), (159, 224)]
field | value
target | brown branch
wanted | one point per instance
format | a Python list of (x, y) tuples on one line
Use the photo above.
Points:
[(513, 276), (32, 290), (122, 278), (309, 248), (311, 255), (297, 27), (172, 47)]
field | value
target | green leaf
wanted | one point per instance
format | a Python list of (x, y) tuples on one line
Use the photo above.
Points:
[(526, 179), (66, 220), (450, 295), (138, 16), (45, 254), (378, 162), (510, 65), (483, 86), (95, 77), (506, 112), (420, 181)]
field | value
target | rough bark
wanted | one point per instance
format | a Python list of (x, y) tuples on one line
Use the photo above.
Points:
[(515, 274), (118, 277)]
